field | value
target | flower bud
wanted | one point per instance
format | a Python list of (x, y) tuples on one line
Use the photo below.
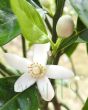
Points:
[(65, 26), (45, 3), (48, 5)]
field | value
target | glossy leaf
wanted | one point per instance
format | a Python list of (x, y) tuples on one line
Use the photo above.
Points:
[(9, 28), (69, 51), (10, 100), (30, 21), (81, 7), (85, 106), (81, 37), (80, 25)]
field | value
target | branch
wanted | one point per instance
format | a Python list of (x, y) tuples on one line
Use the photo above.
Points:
[(65, 106), (48, 25), (76, 82), (59, 11), (56, 104), (24, 46), (3, 49)]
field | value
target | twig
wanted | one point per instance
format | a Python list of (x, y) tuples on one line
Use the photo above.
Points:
[(4, 50), (56, 104), (73, 67), (23, 46), (65, 106), (48, 25), (76, 82), (59, 11)]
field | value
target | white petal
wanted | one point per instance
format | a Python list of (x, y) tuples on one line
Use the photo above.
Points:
[(40, 53), (45, 88), (17, 62), (58, 72), (24, 82)]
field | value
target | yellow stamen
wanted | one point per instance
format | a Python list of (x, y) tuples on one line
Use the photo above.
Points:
[(37, 70)]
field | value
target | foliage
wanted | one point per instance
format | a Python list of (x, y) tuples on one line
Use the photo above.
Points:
[(21, 17), (10, 100), (9, 28), (85, 106), (31, 23)]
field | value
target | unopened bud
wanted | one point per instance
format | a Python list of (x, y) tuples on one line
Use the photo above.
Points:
[(48, 5), (65, 26), (45, 3)]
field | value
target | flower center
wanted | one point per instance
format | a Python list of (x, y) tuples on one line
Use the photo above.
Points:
[(37, 70)]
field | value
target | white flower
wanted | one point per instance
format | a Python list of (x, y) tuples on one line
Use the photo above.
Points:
[(37, 71), (65, 26)]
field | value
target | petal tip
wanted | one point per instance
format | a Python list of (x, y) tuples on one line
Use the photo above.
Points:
[(49, 97), (17, 88)]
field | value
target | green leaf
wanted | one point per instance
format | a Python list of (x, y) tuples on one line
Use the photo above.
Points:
[(69, 51), (87, 47), (81, 37), (80, 25), (30, 21), (9, 28), (10, 100), (85, 106), (81, 7)]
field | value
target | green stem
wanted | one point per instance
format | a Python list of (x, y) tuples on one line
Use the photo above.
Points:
[(24, 47), (56, 46)]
